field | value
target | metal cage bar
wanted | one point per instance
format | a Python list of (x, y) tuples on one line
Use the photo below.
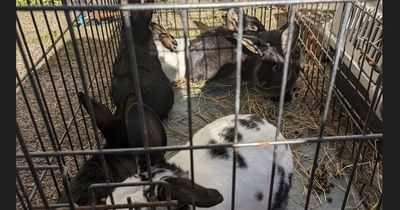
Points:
[(237, 102), (138, 91), (152, 6), (281, 98), (188, 64), (366, 137), (339, 48)]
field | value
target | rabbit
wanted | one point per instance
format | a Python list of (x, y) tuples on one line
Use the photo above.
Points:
[(210, 51), (156, 88), (213, 170), (263, 67), (116, 129)]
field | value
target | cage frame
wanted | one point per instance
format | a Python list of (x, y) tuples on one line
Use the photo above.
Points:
[(339, 50)]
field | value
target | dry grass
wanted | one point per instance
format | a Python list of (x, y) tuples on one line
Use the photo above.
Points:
[(301, 118)]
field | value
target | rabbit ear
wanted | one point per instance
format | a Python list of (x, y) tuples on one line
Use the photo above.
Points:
[(285, 35), (256, 40), (156, 135), (157, 28), (249, 43), (130, 99), (181, 189), (233, 15), (102, 116), (232, 19)]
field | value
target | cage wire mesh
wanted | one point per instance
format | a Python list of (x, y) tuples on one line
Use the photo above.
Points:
[(333, 125)]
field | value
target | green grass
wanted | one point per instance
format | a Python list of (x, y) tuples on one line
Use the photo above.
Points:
[(38, 2)]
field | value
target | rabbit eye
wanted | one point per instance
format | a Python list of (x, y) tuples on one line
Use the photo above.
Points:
[(275, 68), (253, 28)]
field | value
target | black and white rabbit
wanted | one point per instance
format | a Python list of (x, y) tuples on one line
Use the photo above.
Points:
[(213, 170), (116, 130)]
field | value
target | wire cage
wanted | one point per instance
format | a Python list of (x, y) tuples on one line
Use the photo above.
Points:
[(333, 124)]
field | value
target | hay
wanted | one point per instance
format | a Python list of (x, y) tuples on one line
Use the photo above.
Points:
[(301, 118)]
